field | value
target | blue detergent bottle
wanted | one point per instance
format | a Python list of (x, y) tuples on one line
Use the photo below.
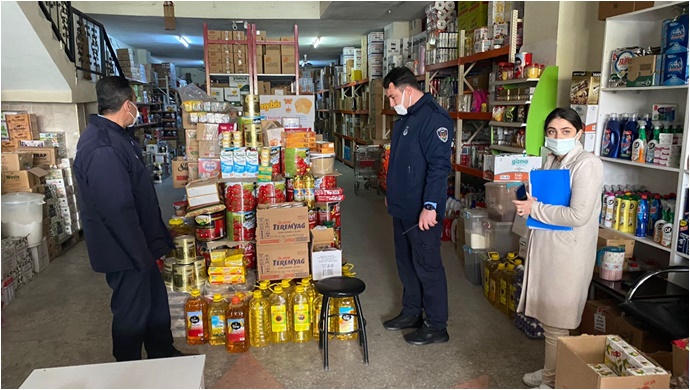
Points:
[(628, 136), (642, 217), (610, 145)]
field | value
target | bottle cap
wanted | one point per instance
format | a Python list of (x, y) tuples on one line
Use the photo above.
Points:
[(277, 289), (235, 300), (299, 289), (195, 292), (285, 283), (511, 267), (501, 266), (257, 294), (518, 262), (175, 222), (494, 255), (217, 297)]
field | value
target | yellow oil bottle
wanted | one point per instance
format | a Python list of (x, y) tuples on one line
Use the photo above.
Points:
[(310, 290), (216, 320), (489, 266), (263, 287), (511, 257), (288, 288), (512, 290), (301, 315), (504, 282), (196, 312), (345, 307), (238, 320), (494, 279), (280, 320), (318, 303), (259, 321)]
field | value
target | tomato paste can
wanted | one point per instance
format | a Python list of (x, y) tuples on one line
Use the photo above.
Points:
[(313, 218), (241, 226), (183, 277), (210, 227), (202, 250), (200, 271), (185, 251)]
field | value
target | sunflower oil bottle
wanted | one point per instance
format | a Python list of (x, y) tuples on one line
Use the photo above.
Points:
[(309, 197), (238, 320), (346, 308), (259, 321), (490, 265), (318, 303), (280, 321), (310, 290), (494, 281), (511, 257), (196, 312), (216, 320), (301, 315), (504, 283), (263, 287), (288, 288)]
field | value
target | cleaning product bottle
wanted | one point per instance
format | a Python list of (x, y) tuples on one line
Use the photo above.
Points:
[(609, 210), (301, 314), (652, 144), (196, 312), (654, 214), (639, 148), (677, 134), (494, 282), (642, 216), (504, 293), (629, 135), (280, 321), (649, 126), (625, 118), (216, 320), (489, 266), (623, 217), (238, 320), (632, 214), (617, 212), (610, 145), (259, 321), (602, 213), (309, 196)]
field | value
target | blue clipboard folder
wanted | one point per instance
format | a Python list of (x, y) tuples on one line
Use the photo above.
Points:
[(550, 186)]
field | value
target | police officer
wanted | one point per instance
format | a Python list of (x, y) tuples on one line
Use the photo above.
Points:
[(122, 224), (416, 198)]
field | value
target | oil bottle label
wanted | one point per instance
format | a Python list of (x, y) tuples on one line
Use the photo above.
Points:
[(503, 292), (511, 297), (486, 281), (278, 318), (195, 324), (492, 290), (236, 331), (302, 318), (347, 322), (218, 326)]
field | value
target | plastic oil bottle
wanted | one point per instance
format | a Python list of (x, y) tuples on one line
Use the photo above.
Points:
[(298, 188), (516, 288), (494, 282), (263, 288), (196, 312), (310, 290), (238, 320), (489, 266), (345, 307), (259, 321), (301, 309), (280, 321), (511, 257), (309, 196), (216, 320), (288, 288), (504, 283)]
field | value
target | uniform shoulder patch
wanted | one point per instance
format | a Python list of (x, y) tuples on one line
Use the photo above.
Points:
[(442, 134)]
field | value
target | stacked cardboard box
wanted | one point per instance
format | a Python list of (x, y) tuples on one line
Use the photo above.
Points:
[(17, 126), (584, 98), (17, 266), (287, 53), (375, 54), (166, 70), (282, 238), (129, 64)]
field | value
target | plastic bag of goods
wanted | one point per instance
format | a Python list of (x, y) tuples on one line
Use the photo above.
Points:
[(271, 193), (241, 225), (225, 290), (240, 197)]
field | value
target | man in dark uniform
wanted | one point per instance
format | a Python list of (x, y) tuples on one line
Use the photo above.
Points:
[(122, 224), (416, 199)]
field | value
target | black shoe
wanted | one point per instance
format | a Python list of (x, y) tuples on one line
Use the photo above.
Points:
[(427, 335), (402, 322), (179, 353)]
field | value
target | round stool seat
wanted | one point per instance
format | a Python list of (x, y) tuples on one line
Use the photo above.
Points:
[(340, 286)]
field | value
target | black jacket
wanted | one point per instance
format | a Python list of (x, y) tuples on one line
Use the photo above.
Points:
[(117, 201), (419, 160)]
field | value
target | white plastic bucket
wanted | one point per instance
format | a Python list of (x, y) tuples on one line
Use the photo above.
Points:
[(22, 215)]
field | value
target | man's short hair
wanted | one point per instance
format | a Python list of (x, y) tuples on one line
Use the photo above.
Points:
[(112, 93), (400, 77)]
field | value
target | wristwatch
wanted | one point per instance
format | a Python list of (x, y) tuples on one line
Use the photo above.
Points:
[(429, 207)]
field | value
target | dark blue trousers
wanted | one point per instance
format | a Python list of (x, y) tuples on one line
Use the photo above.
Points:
[(141, 315), (418, 256)]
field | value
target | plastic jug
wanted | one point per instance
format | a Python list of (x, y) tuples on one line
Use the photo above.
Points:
[(238, 331), (610, 261), (259, 321), (280, 320), (196, 311), (216, 320), (489, 266)]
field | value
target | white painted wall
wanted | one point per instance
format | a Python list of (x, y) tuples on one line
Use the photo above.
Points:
[(541, 30), (198, 75)]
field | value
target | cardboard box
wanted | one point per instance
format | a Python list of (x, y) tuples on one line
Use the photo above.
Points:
[(22, 181), (180, 172), (480, 81), (22, 126), (287, 261), (272, 62), (675, 69), (209, 149), (193, 170), (588, 115), (644, 71), (202, 188), (43, 157), (599, 317), (680, 360), (17, 161), (472, 14), (288, 64), (573, 371), (282, 225), (512, 168), (608, 9), (633, 332), (611, 238), (579, 87), (325, 260)]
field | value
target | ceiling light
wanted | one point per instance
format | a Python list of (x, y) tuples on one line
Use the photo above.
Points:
[(183, 40), (394, 7), (317, 41)]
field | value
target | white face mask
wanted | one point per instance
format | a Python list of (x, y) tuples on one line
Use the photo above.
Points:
[(400, 108), (561, 147), (134, 118)]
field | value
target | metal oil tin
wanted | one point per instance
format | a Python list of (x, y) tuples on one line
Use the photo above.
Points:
[(168, 267), (183, 277), (252, 136), (185, 249), (200, 270), (250, 105)]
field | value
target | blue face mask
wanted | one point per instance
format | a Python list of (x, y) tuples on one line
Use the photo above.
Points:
[(561, 147)]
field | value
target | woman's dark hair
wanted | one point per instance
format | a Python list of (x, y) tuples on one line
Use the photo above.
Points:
[(112, 92), (400, 77), (567, 114)]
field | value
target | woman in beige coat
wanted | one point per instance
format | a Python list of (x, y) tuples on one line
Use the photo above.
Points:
[(560, 263)]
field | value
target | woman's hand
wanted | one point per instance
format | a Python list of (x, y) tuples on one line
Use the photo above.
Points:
[(524, 207)]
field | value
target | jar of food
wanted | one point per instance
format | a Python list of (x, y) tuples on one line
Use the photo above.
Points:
[(505, 71), (532, 71), (541, 69)]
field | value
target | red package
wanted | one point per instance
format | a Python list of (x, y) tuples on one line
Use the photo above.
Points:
[(223, 127), (325, 182), (240, 197), (447, 231), (329, 192), (330, 198)]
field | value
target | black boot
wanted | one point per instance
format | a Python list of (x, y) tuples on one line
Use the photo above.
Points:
[(404, 322)]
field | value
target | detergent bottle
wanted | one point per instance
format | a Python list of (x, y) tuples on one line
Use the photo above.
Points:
[(639, 148), (628, 137), (238, 321), (652, 144), (280, 321), (610, 145), (216, 320), (259, 321)]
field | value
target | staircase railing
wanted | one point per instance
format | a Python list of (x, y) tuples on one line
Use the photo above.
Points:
[(84, 39)]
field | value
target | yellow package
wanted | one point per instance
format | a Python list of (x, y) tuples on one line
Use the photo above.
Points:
[(231, 271), (218, 256), (227, 279)]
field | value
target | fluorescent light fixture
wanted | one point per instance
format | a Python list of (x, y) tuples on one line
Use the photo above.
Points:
[(316, 42), (183, 40)]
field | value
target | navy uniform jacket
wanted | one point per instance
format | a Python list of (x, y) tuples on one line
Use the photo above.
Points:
[(419, 160), (117, 201)]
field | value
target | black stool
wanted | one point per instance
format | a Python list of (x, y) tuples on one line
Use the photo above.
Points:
[(340, 287)]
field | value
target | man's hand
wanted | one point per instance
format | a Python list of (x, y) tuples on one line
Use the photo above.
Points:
[(427, 219)]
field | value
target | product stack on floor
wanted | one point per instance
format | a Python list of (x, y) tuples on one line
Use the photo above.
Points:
[(39, 204), (267, 209)]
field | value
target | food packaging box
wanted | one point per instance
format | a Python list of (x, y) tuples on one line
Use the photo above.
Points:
[(227, 279), (599, 317), (611, 238), (579, 87), (472, 14), (282, 225), (22, 126), (680, 357), (190, 135), (288, 63), (39, 256), (621, 356), (674, 35), (325, 260), (644, 371), (180, 172), (376, 36), (588, 115), (674, 69), (635, 334), (210, 149), (514, 168), (272, 62), (286, 261), (602, 370), (644, 71), (574, 356), (226, 271), (22, 181), (203, 189), (17, 161), (209, 167), (43, 157)]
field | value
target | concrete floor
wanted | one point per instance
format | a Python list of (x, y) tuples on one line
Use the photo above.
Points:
[(63, 318)]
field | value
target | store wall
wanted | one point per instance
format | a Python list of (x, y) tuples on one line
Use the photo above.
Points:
[(198, 74), (540, 30)]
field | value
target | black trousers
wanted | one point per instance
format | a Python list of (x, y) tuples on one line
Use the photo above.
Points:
[(418, 256), (140, 314)]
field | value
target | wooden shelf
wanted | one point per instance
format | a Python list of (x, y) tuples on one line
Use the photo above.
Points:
[(360, 82), (421, 77), (509, 149), (469, 171), (471, 116), (357, 112), (348, 163), (323, 110), (487, 55), (515, 81), (641, 165), (507, 124), (644, 240), (355, 140), (146, 125), (275, 75), (510, 102), (651, 88), (389, 112), (442, 65)]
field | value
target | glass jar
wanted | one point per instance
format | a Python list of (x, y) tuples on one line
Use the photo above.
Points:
[(506, 70), (532, 71)]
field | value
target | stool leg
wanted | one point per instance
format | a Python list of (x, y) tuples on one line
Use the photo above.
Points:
[(322, 317), (324, 335), (362, 329)]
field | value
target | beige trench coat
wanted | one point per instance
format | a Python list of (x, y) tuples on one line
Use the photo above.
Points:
[(560, 263)]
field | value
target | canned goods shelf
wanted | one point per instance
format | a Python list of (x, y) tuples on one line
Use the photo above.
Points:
[(644, 240), (515, 81)]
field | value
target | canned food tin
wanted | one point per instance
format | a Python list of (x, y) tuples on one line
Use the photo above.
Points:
[(252, 136), (227, 139), (313, 218), (200, 270), (202, 250), (183, 277), (210, 227), (168, 267), (185, 252), (237, 139), (250, 105)]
